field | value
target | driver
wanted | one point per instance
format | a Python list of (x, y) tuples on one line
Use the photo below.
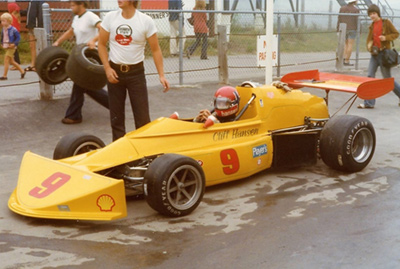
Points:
[(226, 105)]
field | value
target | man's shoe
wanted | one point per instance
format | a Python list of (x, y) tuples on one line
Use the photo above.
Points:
[(70, 121), (362, 106), (348, 64)]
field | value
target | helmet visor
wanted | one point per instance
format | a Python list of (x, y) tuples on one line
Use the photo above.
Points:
[(222, 103)]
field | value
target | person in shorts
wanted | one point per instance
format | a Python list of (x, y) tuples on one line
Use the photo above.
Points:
[(127, 30), (10, 38), (34, 19), (351, 28)]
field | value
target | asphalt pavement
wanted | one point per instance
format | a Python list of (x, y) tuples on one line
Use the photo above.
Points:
[(312, 217)]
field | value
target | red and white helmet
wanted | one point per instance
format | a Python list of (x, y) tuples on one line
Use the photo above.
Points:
[(226, 101)]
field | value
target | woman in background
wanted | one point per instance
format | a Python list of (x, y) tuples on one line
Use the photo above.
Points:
[(200, 30)]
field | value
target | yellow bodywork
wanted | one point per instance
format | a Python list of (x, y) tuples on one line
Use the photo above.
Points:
[(226, 152)]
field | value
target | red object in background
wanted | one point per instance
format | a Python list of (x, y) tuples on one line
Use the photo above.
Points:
[(154, 4)]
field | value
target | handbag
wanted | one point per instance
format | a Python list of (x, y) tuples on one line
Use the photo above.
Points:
[(191, 20), (390, 57)]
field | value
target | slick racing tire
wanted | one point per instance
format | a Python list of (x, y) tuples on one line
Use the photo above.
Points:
[(76, 143), (50, 65), (347, 143), (174, 185), (84, 67)]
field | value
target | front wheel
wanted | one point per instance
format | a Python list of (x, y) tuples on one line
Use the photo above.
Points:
[(347, 143), (174, 185), (76, 143)]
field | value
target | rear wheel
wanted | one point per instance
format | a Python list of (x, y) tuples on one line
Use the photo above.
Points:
[(75, 144), (347, 143), (174, 185)]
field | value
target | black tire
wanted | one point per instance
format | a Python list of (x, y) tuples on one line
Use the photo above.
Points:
[(347, 143), (84, 67), (76, 143), (50, 65), (161, 190)]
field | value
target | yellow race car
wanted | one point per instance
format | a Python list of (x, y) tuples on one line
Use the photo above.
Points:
[(171, 161)]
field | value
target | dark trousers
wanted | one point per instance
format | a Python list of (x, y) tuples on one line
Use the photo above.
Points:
[(133, 83), (74, 110), (200, 37)]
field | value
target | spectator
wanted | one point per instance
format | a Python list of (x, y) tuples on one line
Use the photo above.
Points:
[(200, 30), (85, 27), (34, 18), (14, 10), (351, 28), (381, 33), (128, 29), (174, 27), (10, 38)]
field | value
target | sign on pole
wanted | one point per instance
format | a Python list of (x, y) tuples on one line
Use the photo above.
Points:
[(262, 50)]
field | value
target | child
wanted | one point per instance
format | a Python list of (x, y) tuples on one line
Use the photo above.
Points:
[(9, 40), (14, 10)]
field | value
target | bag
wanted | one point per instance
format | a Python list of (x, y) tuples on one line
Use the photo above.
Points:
[(390, 58), (191, 20)]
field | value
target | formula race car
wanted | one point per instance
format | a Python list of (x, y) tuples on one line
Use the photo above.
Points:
[(171, 161)]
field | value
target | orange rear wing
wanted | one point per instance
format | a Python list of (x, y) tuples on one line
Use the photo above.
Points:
[(364, 87)]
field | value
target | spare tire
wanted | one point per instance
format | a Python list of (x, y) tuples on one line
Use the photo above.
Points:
[(50, 65), (84, 67)]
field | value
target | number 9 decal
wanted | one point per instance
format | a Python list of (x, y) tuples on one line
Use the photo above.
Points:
[(51, 184), (230, 159)]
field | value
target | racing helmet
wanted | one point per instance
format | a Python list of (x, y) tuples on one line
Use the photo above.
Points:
[(226, 101)]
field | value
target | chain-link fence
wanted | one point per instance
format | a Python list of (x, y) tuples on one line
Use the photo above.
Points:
[(305, 41)]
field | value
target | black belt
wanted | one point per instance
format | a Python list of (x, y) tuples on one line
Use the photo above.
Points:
[(125, 68)]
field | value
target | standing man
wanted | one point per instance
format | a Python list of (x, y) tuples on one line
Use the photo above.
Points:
[(128, 29), (85, 27), (174, 27), (351, 29), (34, 18)]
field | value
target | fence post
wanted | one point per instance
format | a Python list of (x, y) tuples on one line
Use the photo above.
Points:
[(278, 69), (181, 48), (43, 39), (358, 41), (340, 48), (222, 55)]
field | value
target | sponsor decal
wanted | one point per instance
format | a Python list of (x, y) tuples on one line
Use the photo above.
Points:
[(261, 103), (260, 150), (124, 35), (270, 95), (105, 202), (259, 161), (200, 162), (63, 208)]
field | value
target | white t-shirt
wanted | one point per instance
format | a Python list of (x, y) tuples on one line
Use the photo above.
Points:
[(128, 36), (85, 27)]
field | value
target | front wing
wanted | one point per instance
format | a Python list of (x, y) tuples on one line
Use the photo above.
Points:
[(52, 189)]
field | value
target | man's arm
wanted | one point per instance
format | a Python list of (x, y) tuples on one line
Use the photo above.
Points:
[(92, 42), (104, 36), (67, 35), (158, 60)]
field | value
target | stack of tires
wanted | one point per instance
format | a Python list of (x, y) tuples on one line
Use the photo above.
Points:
[(83, 66)]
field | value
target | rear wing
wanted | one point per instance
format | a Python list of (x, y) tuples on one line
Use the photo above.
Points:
[(364, 87)]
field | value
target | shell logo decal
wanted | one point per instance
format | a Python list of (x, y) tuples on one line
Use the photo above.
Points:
[(105, 202)]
